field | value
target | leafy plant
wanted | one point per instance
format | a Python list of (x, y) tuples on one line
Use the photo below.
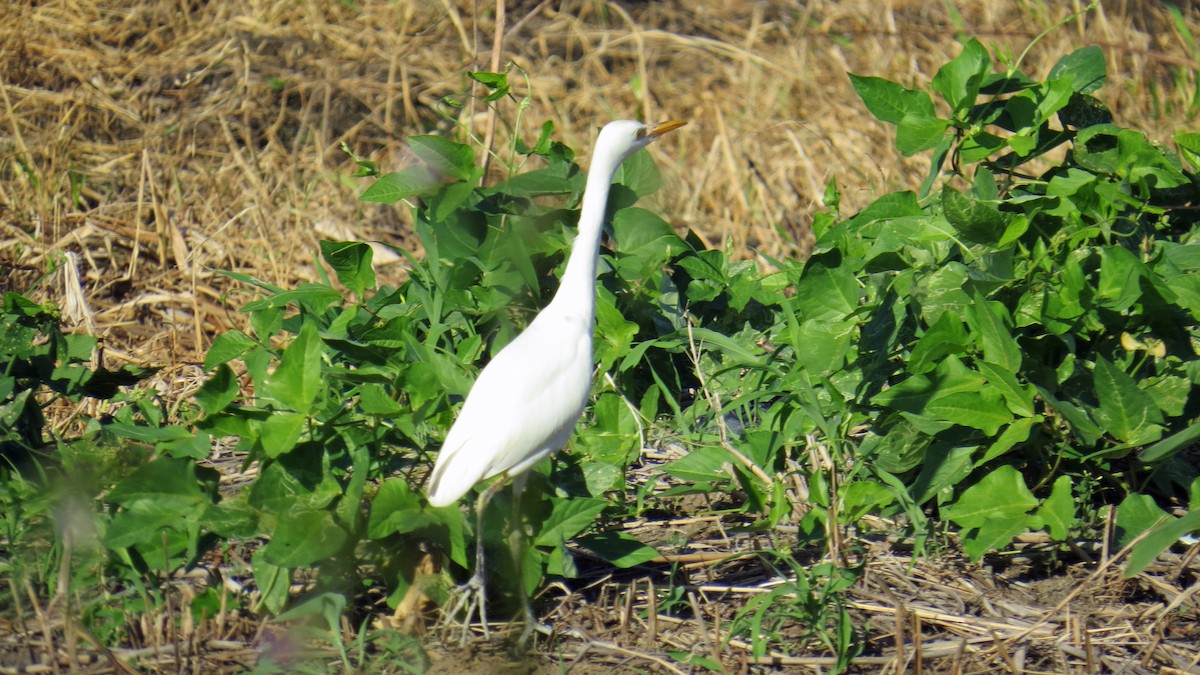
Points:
[(53, 481), (809, 599), (346, 411), (1041, 324), (39, 358)]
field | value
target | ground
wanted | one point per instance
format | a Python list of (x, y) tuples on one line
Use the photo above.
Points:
[(147, 146)]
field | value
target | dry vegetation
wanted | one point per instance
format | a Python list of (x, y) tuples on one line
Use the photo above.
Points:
[(146, 145)]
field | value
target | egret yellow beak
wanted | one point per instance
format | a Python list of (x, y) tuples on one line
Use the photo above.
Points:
[(660, 129)]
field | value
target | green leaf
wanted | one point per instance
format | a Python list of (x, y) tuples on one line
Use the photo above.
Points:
[(302, 538), (614, 334), (901, 449), (945, 337), (1170, 394), (1083, 111), (974, 219), (693, 659), (917, 133), (639, 232), (862, 497), (444, 156), (297, 380), (1125, 411), (959, 80), (348, 509), (979, 146), (640, 174), (900, 237), (1120, 278), (950, 377), (392, 187), (351, 261), (1177, 269), (1136, 514), (280, 433), (700, 465), (490, 80), (228, 346), (144, 525), (328, 606), (542, 145), (231, 520), (497, 82), (560, 562), (449, 201), (13, 410), (1058, 511), (945, 466), (568, 518), (981, 410), (824, 345), (990, 326), (1018, 397), (296, 482), (218, 391), (396, 509), (827, 289), (994, 536), (164, 485), (1096, 148), (273, 582), (1163, 537), (80, 347), (1171, 445), (313, 296), (601, 477), (994, 510), (265, 321), (942, 290), (375, 400), (1189, 147), (540, 183), (1081, 424), (1085, 67), (889, 101), (1055, 95), (618, 548), (912, 112), (146, 433), (1000, 496), (740, 350), (1013, 435)]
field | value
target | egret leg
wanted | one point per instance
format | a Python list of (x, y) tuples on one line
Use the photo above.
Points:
[(473, 595), (516, 541)]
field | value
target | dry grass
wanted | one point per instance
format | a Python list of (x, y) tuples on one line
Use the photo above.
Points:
[(943, 616), (163, 140), (146, 145)]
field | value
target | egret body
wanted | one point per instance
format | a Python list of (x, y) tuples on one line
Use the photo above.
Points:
[(526, 401)]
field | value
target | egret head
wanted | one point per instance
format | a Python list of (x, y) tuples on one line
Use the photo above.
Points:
[(618, 140)]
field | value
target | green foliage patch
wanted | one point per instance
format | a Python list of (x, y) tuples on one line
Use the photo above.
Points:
[(1042, 312)]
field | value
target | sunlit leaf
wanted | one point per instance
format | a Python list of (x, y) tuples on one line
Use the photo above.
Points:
[(1125, 411)]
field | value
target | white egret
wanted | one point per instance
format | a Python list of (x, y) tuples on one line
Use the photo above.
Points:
[(525, 403)]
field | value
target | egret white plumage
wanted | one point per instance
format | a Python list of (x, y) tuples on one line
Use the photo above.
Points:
[(525, 403)]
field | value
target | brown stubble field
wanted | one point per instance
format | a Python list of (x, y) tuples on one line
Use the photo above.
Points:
[(147, 145)]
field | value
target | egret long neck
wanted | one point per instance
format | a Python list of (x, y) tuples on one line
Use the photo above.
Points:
[(578, 286)]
